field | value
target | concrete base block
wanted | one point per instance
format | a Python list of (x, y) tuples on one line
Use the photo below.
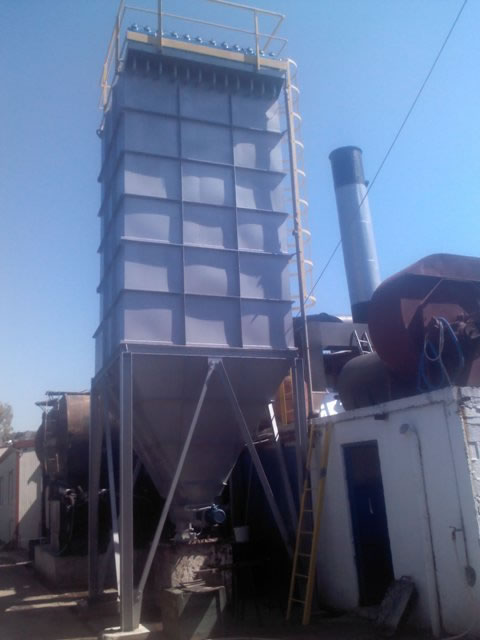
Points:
[(65, 572), (192, 614), (115, 633), (182, 563), (61, 572)]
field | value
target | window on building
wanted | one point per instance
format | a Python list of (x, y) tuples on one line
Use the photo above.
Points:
[(10, 487)]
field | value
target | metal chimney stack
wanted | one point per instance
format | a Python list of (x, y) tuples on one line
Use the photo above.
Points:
[(359, 250)]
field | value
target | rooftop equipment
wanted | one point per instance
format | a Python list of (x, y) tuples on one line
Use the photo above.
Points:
[(358, 242), (196, 331), (424, 323)]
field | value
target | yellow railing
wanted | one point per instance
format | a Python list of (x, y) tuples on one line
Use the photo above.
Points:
[(263, 48)]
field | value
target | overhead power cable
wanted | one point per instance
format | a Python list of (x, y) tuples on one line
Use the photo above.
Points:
[(396, 137)]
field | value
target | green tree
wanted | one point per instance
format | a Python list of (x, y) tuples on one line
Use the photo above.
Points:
[(6, 415)]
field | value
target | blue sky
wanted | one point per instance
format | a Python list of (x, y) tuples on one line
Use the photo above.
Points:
[(361, 63)]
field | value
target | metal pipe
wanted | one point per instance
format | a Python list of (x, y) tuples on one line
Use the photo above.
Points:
[(300, 421), (257, 45), (435, 603), (159, 18), (297, 231), (236, 5), (358, 242)]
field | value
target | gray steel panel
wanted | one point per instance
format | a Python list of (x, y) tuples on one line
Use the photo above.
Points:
[(267, 324), (150, 176), (153, 317), (209, 226), (208, 184), (149, 133), (150, 94), (151, 219), (204, 104), (99, 355), (203, 204), (261, 231), (206, 142), (264, 276), (211, 272), (212, 321), (117, 187), (153, 267), (258, 150), (259, 190), (164, 412), (255, 112)]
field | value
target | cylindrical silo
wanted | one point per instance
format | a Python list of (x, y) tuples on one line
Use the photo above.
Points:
[(358, 242)]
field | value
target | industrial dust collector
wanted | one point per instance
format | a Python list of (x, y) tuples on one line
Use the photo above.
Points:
[(194, 258)]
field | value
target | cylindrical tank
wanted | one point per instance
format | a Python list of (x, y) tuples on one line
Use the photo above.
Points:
[(359, 250), (365, 381), (437, 286), (424, 323), (61, 442)]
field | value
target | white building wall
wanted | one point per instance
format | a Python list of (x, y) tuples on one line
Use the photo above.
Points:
[(29, 497), (432, 494), (20, 499)]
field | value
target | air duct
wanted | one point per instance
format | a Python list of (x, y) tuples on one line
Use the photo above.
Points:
[(359, 250)]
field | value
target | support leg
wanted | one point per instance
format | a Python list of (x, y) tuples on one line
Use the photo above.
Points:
[(255, 458), (113, 504), (126, 492), (94, 458), (114, 544)]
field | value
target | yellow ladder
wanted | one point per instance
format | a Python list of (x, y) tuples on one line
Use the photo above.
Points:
[(304, 531)]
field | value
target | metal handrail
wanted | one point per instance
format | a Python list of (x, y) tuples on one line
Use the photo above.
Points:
[(115, 49)]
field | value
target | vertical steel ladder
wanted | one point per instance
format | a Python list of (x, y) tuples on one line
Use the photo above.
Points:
[(363, 342)]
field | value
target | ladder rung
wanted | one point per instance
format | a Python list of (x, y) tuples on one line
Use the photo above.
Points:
[(295, 600), (307, 533), (304, 555), (301, 575)]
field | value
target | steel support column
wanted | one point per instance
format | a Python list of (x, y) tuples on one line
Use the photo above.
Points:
[(115, 546), (253, 452), (94, 462), (126, 493), (113, 501)]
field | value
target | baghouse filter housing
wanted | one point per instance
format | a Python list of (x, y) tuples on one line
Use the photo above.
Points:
[(194, 259)]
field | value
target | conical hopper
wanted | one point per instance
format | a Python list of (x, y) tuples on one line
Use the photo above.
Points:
[(166, 390)]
